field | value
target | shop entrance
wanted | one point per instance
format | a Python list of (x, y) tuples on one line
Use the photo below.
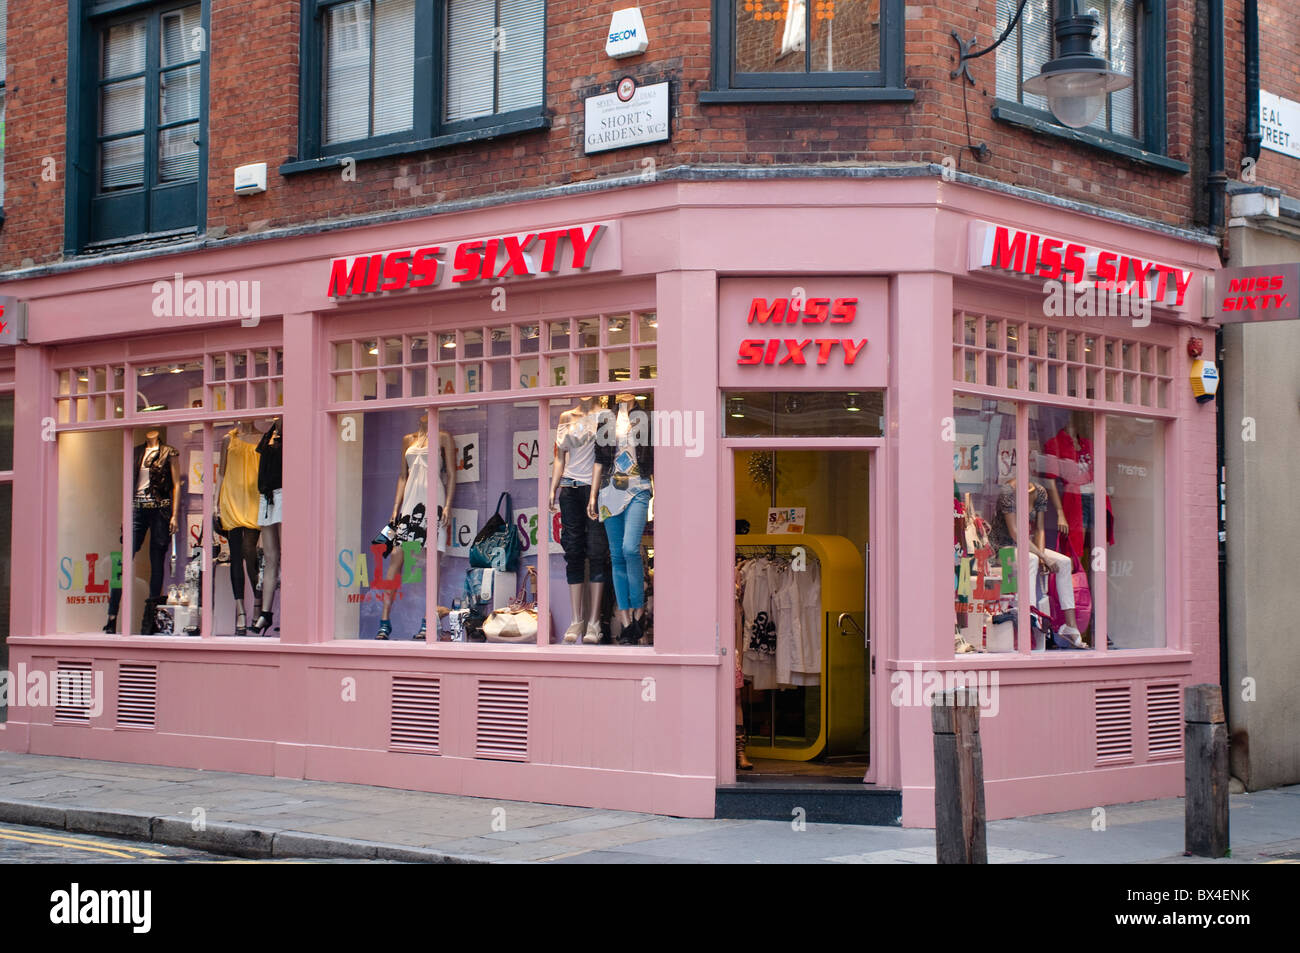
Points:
[(802, 621)]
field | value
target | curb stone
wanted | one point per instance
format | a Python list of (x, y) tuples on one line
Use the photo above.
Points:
[(237, 840)]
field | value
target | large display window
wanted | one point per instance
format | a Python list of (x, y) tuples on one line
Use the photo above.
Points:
[(133, 492), (537, 490), (1083, 510)]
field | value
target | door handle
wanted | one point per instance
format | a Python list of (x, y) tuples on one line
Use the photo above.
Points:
[(846, 617)]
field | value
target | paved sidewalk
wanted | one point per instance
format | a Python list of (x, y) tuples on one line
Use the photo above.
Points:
[(254, 816)]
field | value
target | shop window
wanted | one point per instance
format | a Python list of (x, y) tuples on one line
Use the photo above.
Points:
[(1131, 38), (139, 158), (88, 547), (803, 413), (985, 577), (800, 49), (1135, 577), (88, 394), (400, 76), (1012, 355)]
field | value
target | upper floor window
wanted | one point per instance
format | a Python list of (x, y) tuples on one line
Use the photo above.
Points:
[(1122, 40), (393, 74), (807, 49), (137, 146)]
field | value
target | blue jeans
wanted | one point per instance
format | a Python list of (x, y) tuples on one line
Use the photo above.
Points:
[(624, 532)]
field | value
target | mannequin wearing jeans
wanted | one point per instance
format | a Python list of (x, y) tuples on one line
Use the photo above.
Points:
[(622, 487), (155, 511), (237, 511), (581, 537)]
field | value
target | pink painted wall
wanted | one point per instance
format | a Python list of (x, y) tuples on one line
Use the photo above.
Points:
[(595, 736)]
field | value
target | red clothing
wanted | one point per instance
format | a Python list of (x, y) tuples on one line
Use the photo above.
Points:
[(1071, 463)]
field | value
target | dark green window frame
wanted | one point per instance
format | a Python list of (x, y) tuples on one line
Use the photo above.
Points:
[(161, 210), (885, 84), (429, 130), (1151, 147)]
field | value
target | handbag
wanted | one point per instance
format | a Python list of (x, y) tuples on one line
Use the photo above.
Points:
[(497, 545), (517, 622), (1082, 593)]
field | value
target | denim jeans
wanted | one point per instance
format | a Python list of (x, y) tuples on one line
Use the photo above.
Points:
[(625, 531), (156, 521), (581, 537)]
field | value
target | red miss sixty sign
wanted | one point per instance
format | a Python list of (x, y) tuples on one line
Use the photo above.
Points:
[(550, 252), (801, 350)]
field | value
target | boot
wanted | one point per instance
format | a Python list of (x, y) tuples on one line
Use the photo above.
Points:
[(742, 762), (149, 623), (110, 626)]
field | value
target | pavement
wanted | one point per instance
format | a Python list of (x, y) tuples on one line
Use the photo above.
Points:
[(259, 817)]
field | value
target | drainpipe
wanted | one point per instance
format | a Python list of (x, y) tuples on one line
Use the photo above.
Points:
[(1251, 25), (1217, 179), (1217, 183)]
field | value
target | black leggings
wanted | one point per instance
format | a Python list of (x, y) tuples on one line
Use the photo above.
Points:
[(243, 557)]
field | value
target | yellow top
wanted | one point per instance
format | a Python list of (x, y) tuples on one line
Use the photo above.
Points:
[(238, 500)]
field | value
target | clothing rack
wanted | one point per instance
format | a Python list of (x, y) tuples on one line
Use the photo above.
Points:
[(770, 549)]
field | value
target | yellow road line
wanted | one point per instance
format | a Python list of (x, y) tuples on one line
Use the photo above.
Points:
[(65, 841), (54, 843)]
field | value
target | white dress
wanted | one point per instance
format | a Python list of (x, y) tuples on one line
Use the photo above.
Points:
[(412, 519)]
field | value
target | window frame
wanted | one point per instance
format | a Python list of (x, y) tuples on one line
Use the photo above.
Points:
[(885, 84), (429, 130), (86, 21), (1152, 145)]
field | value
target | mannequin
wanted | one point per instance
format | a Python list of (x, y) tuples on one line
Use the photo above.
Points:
[(622, 486), (1041, 560), (237, 512), (581, 537), (1068, 458), (269, 486), (155, 511), (410, 505)]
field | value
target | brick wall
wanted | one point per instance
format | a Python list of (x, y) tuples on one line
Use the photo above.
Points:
[(254, 114), (1279, 45)]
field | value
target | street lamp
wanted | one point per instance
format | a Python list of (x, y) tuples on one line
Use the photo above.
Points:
[(1076, 83)]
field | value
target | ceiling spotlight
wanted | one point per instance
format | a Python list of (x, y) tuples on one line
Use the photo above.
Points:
[(449, 342), (175, 368), (851, 403), (736, 406), (794, 404)]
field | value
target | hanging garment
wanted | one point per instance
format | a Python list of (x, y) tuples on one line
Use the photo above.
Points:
[(413, 517), (760, 627), (238, 499)]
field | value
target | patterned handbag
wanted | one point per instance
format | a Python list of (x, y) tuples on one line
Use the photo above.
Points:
[(517, 622)]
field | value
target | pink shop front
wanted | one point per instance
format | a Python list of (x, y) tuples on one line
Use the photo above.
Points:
[(805, 407)]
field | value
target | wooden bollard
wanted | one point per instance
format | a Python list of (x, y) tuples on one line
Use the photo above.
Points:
[(958, 778), (1205, 757)]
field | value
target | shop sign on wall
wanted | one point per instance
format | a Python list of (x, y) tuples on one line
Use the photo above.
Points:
[(556, 251), (1279, 124), (1003, 248), (632, 115), (821, 333), (11, 313), (1258, 293)]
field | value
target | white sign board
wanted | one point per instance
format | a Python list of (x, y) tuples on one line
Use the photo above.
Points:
[(467, 458), (1279, 124), (526, 453), (627, 36), (631, 116), (786, 519)]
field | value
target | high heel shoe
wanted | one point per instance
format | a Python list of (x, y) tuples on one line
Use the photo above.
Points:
[(424, 631), (240, 628), (385, 630), (263, 623), (742, 761), (110, 626)]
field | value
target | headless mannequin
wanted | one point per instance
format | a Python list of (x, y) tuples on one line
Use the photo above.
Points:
[(157, 547), (584, 598), (623, 403), (447, 454), (1083, 533), (241, 529)]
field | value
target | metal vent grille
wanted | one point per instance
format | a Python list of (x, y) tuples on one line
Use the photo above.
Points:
[(1164, 722), (1113, 707), (502, 725), (137, 695), (415, 713), (74, 692)]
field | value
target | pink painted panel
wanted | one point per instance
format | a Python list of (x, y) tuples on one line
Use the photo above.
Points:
[(815, 333)]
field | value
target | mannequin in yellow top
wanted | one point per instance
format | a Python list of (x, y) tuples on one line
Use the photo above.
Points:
[(237, 512)]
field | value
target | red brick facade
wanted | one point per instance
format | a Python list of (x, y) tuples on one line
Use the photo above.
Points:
[(253, 117)]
